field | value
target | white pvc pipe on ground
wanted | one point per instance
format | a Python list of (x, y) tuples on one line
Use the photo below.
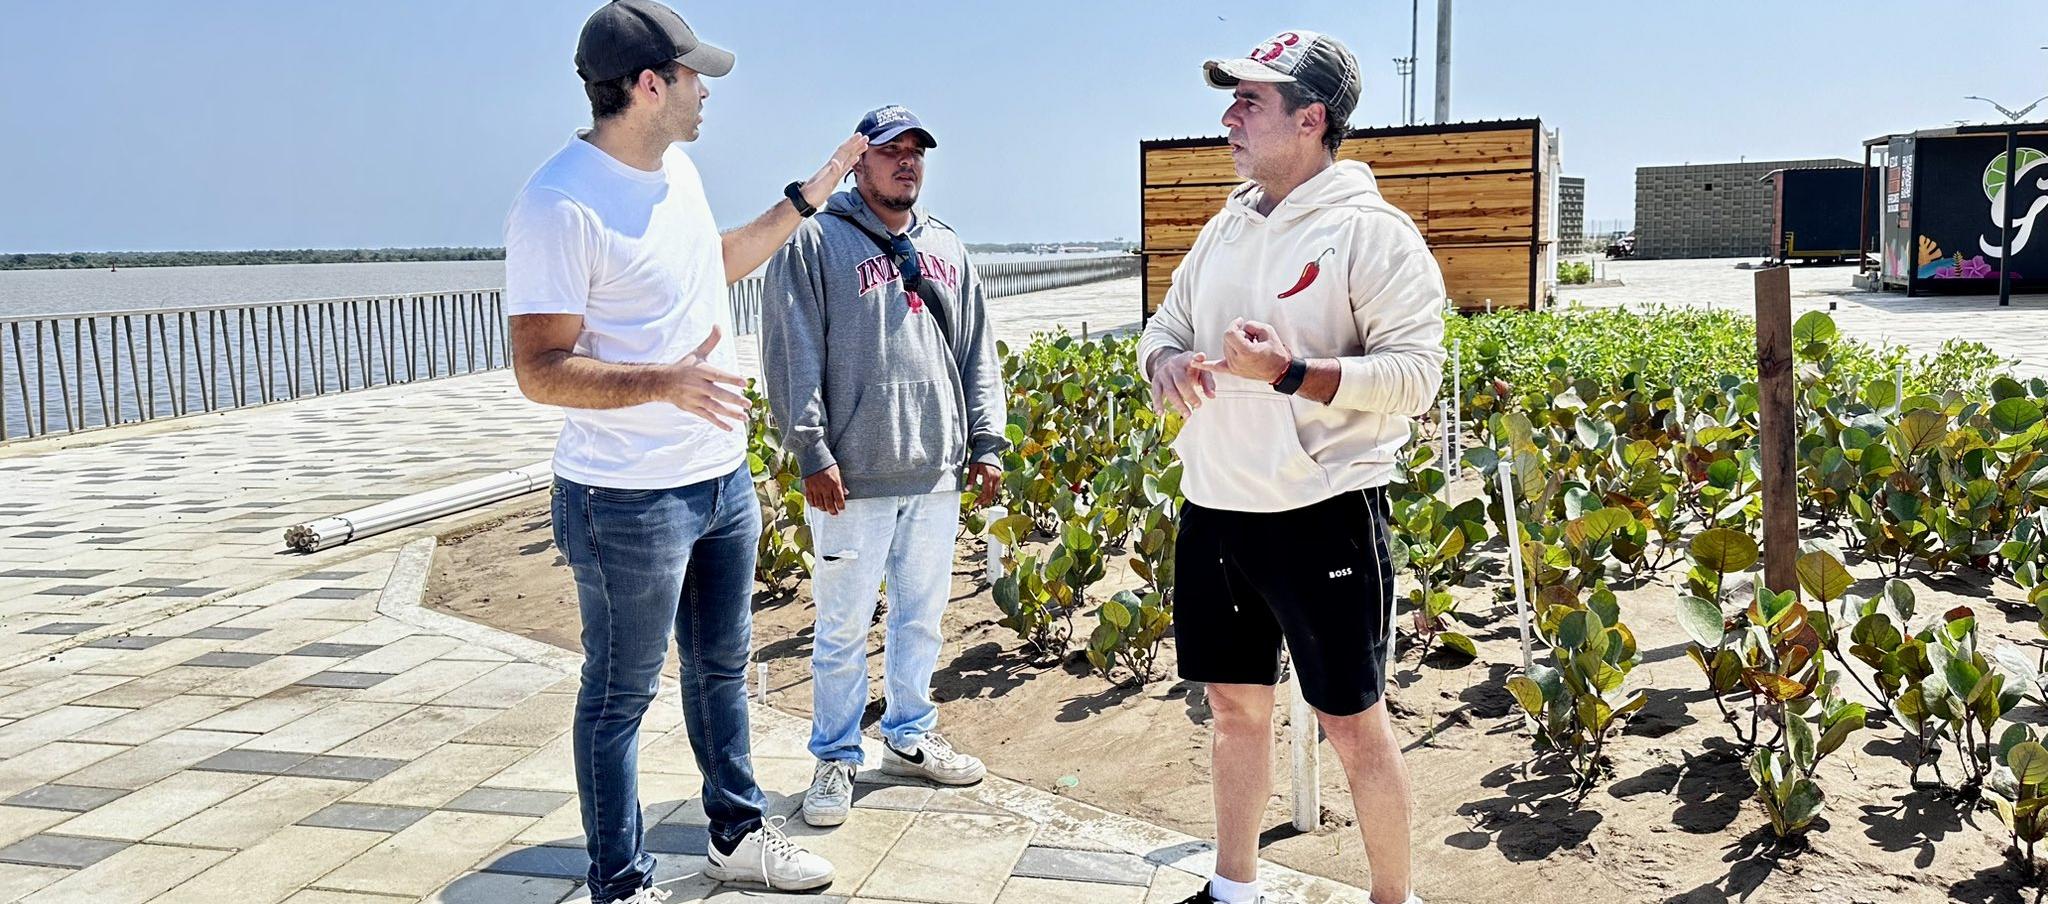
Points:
[(406, 511), (1514, 538), (1308, 784)]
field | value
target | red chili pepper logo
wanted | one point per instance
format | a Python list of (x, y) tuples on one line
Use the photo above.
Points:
[(1309, 274)]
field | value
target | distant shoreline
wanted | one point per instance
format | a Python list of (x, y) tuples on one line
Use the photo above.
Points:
[(104, 260)]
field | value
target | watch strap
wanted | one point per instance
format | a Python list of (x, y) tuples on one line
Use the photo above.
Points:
[(1290, 381), (794, 191)]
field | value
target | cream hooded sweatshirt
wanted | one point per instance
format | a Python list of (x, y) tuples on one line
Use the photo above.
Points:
[(1339, 273)]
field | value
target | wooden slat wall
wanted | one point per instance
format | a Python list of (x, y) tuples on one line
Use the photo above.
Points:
[(1473, 274), (1471, 193), (1490, 208), (1399, 155)]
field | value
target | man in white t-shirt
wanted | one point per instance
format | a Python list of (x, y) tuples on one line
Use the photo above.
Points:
[(615, 280)]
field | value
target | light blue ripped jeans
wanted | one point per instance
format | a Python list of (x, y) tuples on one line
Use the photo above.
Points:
[(909, 541)]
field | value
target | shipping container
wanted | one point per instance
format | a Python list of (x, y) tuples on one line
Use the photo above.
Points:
[(1940, 224), (1817, 213)]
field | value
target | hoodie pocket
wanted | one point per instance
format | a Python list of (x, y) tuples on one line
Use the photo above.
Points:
[(896, 428), (1244, 440)]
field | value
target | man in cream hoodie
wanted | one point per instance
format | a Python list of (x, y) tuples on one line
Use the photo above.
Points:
[(1300, 334)]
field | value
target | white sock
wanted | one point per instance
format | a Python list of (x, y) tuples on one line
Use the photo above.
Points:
[(1228, 892)]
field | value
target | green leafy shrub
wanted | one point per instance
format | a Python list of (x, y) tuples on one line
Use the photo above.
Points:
[(1128, 633), (2018, 790)]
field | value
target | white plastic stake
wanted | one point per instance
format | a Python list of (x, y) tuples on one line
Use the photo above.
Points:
[(1900, 382), (761, 670), (1489, 306), (1307, 761), (1443, 407), (1457, 405), (995, 546), (1514, 538)]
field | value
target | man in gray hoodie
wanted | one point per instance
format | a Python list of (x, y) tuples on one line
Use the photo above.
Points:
[(883, 380)]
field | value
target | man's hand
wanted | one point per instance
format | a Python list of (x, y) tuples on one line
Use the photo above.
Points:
[(988, 478), (1180, 383), (825, 491), (1252, 351), (819, 189), (698, 388)]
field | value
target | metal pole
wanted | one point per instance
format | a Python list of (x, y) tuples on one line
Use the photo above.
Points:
[(1414, 33), (2012, 160), (1443, 61)]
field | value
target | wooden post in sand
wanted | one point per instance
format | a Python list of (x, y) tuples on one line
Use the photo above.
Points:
[(1778, 460)]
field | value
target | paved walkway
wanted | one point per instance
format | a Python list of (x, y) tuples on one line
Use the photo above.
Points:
[(2019, 332), (189, 714)]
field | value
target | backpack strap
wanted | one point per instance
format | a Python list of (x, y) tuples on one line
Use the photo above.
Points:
[(923, 289)]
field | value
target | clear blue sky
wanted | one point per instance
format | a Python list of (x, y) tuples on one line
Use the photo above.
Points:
[(207, 124)]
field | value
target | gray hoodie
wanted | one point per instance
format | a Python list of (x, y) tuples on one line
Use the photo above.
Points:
[(859, 374)]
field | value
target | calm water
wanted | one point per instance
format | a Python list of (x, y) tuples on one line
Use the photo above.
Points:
[(74, 291)]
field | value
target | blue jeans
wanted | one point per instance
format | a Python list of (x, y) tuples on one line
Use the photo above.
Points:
[(909, 540), (649, 563)]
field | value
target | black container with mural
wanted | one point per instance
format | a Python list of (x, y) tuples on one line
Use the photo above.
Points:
[(1939, 202)]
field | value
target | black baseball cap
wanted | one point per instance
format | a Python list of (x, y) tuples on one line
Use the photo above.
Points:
[(1317, 62), (883, 124), (626, 36)]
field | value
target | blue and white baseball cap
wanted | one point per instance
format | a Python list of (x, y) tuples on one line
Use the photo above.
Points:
[(884, 124)]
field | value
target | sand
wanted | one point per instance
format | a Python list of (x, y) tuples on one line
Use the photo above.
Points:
[(1676, 821)]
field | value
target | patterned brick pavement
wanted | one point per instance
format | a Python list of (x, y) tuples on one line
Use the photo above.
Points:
[(190, 714)]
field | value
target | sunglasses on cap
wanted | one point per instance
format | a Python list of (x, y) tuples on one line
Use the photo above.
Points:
[(906, 262)]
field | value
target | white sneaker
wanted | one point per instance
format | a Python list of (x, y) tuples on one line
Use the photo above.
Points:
[(648, 895), (830, 798), (767, 857), (935, 759)]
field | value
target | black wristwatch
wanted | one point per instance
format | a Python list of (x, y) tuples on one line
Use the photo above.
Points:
[(794, 191), (1290, 382)]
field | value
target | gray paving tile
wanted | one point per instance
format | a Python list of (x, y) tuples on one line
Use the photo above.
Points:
[(68, 574), (60, 850), (509, 802), (259, 762), (1084, 866), (65, 628), (335, 650), (349, 768), (70, 798), (188, 592), (227, 660), (348, 680), (73, 590), (159, 583), (678, 838), (126, 642), (219, 632), (335, 593), (331, 575), (545, 862), (365, 817), (44, 534)]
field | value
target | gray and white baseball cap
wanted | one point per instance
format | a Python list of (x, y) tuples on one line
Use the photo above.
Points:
[(1319, 63)]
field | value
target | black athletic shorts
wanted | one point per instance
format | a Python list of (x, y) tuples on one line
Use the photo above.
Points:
[(1316, 577)]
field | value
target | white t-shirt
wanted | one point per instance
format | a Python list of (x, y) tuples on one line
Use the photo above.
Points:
[(636, 254)]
